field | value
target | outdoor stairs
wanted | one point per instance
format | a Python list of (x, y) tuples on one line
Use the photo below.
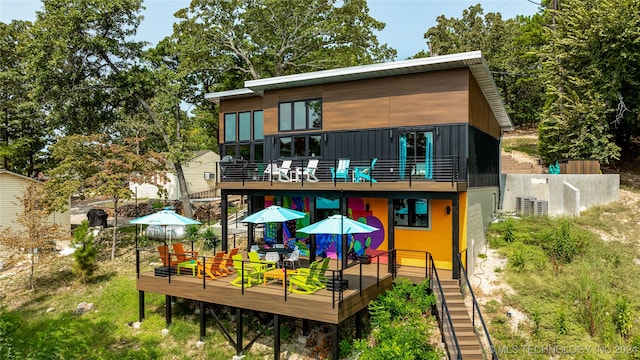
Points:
[(511, 165), (469, 343)]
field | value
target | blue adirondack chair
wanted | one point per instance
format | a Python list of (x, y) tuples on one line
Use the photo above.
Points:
[(342, 172), (364, 174)]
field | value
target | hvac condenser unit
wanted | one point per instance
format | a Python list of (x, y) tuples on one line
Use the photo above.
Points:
[(523, 204), (539, 207)]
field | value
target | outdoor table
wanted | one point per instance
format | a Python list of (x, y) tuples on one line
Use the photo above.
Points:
[(191, 264), (281, 252), (278, 274)]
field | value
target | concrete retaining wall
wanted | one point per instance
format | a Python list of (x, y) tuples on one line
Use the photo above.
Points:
[(567, 194)]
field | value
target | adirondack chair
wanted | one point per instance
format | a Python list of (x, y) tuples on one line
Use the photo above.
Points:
[(168, 259), (228, 263), (283, 171), (319, 279), (342, 172), (212, 266), (310, 170), (246, 274), (304, 284), (364, 174), (181, 254)]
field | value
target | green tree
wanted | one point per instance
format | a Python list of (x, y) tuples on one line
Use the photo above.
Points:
[(38, 238), (96, 166), (85, 254), (591, 65)]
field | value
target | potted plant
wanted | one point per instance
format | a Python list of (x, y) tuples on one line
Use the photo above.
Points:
[(365, 258)]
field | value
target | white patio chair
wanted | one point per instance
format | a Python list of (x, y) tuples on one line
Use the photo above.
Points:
[(270, 170), (310, 170), (283, 171), (272, 257), (293, 259)]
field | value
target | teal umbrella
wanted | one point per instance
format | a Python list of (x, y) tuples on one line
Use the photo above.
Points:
[(165, 218), (273, 214), (338, 225)]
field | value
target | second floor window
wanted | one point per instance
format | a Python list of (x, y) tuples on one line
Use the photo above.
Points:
[(300, 115), (243, 126)]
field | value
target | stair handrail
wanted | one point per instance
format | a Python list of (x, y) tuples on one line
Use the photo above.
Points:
[(444, 312), (476, 307)]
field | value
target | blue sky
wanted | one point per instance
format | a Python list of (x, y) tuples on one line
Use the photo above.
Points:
[(407, 20)]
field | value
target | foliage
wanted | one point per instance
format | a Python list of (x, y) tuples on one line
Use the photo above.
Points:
[(37, 239), (591, 64), (95, 165), (401, 324), (211, 239), (623, 317), (85, 255)]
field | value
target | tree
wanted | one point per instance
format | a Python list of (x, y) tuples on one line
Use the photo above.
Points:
[(510, 48), (85, 253), (97, 166), (23, 130), (39, 234), (591, 65)]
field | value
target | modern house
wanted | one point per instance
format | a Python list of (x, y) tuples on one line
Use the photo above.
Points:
[(12, 188), (199, 173), (428, 128), (411, 148)]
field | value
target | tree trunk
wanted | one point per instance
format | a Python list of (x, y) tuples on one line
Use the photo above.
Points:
[(115, 229), (184, 192)]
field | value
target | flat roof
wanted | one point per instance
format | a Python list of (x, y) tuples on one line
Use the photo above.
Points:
[(472, 60)]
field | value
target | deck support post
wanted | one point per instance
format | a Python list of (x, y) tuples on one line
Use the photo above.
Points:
[(359, 324), (276, 336), (224, 203), (305, 327), (334, 343), (140, 305), (168, 309), (455, 225), (203, 320), (238, 331)]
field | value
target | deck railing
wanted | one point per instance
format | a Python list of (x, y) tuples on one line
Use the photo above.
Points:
[(487, 345), (440, 169), (447, 330), (150, 255)]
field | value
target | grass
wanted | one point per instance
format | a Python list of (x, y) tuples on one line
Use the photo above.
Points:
[(527, 145), (578, 308)]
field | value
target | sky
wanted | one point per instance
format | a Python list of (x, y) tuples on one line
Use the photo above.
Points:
[(406, 20)]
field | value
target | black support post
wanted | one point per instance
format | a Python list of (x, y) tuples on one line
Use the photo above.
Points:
[(305, 327), (391, 243), (276, 336), (203, 320), (334, 343), (168, 309), (224, 219), (140, 305), (455, 225), (238, 331)]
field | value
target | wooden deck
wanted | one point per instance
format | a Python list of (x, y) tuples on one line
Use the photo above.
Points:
[(323, 305), (419, 186)]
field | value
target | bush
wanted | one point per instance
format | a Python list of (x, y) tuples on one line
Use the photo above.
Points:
[(85, 255)]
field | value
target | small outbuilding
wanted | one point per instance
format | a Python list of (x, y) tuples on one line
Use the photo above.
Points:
[(12, 188)]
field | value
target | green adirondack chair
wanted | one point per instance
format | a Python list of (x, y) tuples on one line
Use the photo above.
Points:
[(246, 274), (319, 279), (305, 284)]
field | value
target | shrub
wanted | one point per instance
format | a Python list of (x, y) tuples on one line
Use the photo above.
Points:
[(517, 258), (623, 318), (85, 255)]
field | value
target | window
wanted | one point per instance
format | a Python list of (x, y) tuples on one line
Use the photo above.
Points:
[(229, 127), (244, 126), (300, 146), (412, 212), (258, 125), (300, 115), (416, 151)]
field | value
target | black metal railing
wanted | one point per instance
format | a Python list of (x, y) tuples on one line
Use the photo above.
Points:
[(371, 171), (487, 345), (447, 330), (337, 277)]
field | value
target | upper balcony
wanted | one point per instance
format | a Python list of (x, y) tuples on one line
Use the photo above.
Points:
[(441, 174)]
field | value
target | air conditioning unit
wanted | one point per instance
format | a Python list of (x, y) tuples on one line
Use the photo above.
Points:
[(209, 176), (539, 207), (523, 204)]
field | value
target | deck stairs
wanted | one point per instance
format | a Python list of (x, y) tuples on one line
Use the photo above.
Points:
[(516, 163), (468, 341)]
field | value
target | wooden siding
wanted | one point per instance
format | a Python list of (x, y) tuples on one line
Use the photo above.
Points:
[(397, 101), (12, 188), (270, 298), (480, 114), (236, 105)]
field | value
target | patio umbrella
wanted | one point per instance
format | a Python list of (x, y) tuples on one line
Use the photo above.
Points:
[(338, 225), (164, 218), (273, 214)]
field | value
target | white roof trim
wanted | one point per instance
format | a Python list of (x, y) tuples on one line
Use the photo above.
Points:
[(472, 60)]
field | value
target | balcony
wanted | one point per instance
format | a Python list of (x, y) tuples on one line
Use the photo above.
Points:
[(448, 173)]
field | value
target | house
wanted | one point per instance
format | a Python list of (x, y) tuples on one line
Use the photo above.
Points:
[(411, 148), (12, 188), (433, 126), (199, 173)]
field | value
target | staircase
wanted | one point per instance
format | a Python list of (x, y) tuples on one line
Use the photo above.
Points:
[(512, 163), (468, 341)]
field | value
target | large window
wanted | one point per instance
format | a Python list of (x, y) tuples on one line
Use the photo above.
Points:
[(300, 115), (243, 135), (412, 213), (300, 146)]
